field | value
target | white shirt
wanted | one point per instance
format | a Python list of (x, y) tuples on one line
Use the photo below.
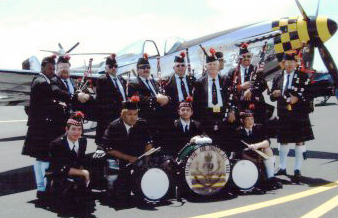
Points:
[(70, 85), (47, 80), (119, 86), (149, 82), (179, 88), (242, 69), (127, 127), (185, 123), (218, 89), (71, 145), (290, 80), (248, 131)]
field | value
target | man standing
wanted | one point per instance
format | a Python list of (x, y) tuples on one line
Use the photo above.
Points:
[(110, 92), (180, 85), (289, 89), (248, 93), (154, 106), (212, 104), (64, 92), (41, 122)]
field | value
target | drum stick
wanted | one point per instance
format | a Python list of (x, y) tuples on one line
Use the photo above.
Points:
[(147, 153), (257, 151)]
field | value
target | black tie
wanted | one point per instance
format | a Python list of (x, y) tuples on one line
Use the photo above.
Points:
[(66, 85), (73, 150), (246, 75), (149, 87), (214, 92), (287, 82), (186, 128), (184, 91)]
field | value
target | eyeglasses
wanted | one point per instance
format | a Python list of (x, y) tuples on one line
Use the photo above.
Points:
[(247, 56), (112, 66), (180, 65), (145, 66)]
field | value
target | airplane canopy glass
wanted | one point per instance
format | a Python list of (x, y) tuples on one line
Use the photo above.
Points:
[(139, 47), (172, 44)]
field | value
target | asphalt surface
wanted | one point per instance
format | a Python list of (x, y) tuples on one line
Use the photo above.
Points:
[(18, 194)]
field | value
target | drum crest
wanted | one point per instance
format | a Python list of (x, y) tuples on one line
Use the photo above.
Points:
[(207, 170)]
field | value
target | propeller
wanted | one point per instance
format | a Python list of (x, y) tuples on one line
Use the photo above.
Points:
[(315, 41), (62, 52), (71, 49), (305, 17)]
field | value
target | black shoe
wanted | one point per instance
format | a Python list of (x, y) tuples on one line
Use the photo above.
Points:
[(296, 178), (280, 171), (273, 184)]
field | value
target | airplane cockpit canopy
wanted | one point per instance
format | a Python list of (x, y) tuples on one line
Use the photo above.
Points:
[(172, 45), (138, 48)]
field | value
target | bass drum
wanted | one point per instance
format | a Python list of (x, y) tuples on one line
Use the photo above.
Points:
[(245, 174), (155, 184), (205, 168)]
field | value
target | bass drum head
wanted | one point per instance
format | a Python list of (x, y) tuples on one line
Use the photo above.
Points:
[(154, 184), (245, 174), (207, 170)]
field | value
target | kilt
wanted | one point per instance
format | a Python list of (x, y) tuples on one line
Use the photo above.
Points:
[(294, 127)]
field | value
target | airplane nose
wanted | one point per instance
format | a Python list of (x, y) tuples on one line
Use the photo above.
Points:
[(332, 26)]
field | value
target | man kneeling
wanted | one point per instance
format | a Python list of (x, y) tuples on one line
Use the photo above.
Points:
[(69, 179), (254, 135)]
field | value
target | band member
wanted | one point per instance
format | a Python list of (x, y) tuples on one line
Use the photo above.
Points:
[(220, 59), (212, 103), (183, 130), (248, 93), (110, 92), (70, 179), (64, 92), (126, 138), (180, 85), (154, 106), (41, 120), (255, 136), (289, 89)]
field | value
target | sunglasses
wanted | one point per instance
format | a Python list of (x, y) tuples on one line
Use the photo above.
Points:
[(180, 65), (113, 66), (246, 56), (142, 67)]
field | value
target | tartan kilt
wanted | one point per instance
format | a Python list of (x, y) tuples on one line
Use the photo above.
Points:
[(294, 127)]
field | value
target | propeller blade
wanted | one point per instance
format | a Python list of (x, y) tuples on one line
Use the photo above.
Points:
[(71, 49), (328, 61), (317, 8), (60, 46), (308, 56), (54, 52), (305, 17)]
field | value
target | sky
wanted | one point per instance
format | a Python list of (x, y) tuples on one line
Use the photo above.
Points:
[(109, 25)]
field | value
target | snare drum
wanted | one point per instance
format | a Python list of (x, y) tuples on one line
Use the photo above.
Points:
[(245, 174), (206, 168)]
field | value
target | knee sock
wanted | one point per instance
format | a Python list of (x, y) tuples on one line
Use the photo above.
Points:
[(283, 154), (269, 166), (299, 150), (40, 171)]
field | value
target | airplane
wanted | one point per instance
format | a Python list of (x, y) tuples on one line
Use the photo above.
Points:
[(280, 36)]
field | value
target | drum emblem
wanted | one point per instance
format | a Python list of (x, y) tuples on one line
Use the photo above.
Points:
[(207, 170)]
